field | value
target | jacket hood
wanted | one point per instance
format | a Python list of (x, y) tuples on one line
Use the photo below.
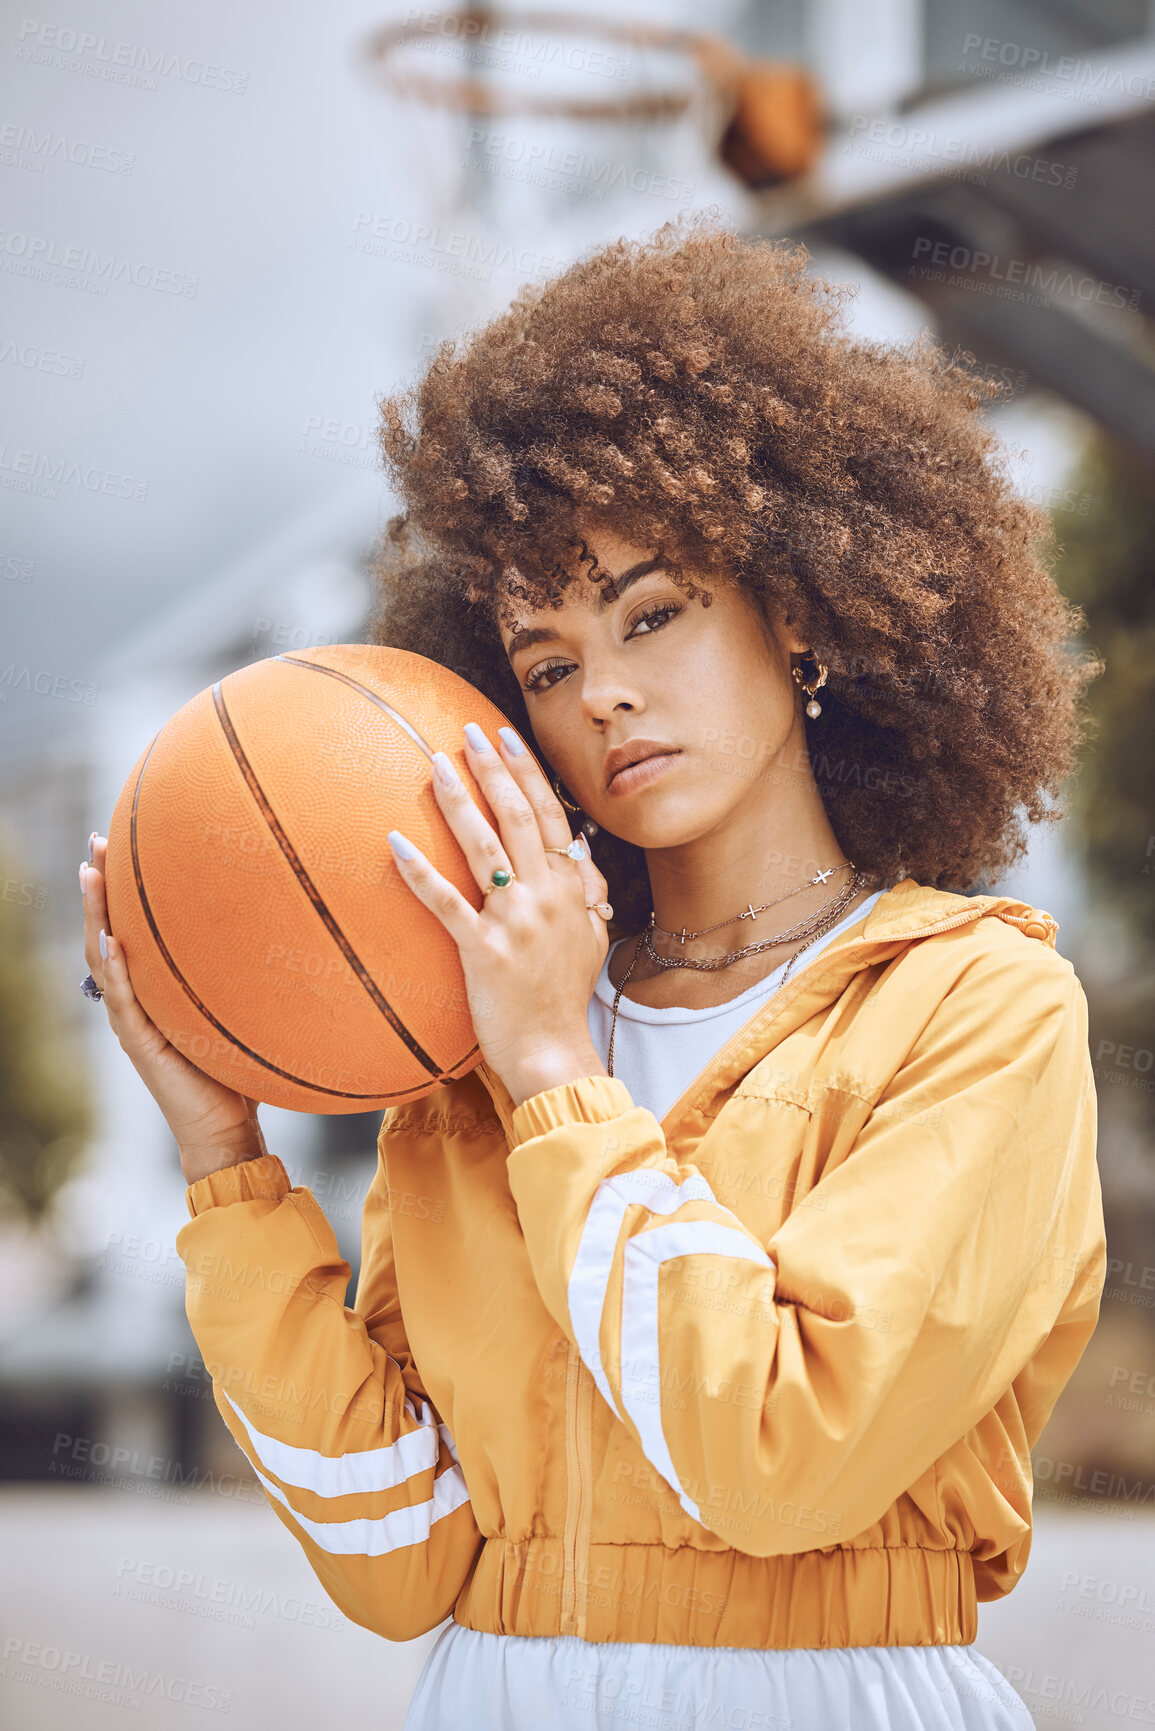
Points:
[(910, 909)]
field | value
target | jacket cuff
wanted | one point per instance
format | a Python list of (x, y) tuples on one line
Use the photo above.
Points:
[(249, 1180), (589, 1100)]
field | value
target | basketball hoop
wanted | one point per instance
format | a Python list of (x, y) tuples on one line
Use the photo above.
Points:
[(518, 139), (770, 111)]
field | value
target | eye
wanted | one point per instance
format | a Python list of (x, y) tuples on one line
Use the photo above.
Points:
[(661, 614), (537, 677), (667, 608)]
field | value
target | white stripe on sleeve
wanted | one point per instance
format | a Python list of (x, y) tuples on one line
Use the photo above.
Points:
[(590, 1275), (642, 1388), (392, 1532), (365, 1471)]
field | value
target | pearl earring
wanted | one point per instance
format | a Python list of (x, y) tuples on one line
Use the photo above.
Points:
[(810, 686)]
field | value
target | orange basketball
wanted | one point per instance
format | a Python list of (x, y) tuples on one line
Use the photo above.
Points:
[(267, 929)]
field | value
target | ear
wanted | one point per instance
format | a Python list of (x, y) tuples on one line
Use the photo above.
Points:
[(786, 631)]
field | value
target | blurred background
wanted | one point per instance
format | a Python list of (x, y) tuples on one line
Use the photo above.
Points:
[(226, 233)]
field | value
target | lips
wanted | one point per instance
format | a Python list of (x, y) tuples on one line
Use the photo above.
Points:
[(635, 751)]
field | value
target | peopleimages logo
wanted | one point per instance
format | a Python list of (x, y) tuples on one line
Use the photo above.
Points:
[(457, 251), (1093, 75), (544, 164), (1048, 280), (45, 684), (118, 1683), (216, 1597), (24, 147), (38, 255), (473, 32), (41, 473), (39, 360), (72, 50), (927, 144)]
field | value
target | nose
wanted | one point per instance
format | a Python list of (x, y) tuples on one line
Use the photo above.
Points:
[(607, 690)]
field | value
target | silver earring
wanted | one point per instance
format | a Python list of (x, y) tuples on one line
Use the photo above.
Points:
[(589, 827)]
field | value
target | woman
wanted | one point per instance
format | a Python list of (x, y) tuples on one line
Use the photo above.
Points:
[(703, 1332)]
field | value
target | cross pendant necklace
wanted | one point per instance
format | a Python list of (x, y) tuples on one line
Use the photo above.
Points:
[(751, 911)]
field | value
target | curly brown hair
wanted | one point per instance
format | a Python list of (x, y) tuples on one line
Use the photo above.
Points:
[(698, 393)]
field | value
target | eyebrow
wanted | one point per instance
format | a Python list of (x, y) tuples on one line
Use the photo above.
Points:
[(525, 639)]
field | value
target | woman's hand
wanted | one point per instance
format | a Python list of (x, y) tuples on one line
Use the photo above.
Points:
[(532, 954), (213, 1126)]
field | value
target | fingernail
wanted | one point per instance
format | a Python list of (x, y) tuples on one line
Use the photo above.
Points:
[(91, 839), (104, 946), (476, 738), (511, 742), (83, 878), (585, 841), (444, 770), (401, 845)]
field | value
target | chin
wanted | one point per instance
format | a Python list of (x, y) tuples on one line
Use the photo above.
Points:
[(672, 824)]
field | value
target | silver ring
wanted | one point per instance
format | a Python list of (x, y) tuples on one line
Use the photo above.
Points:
[(574, 851), (602, 908), (90, 989)]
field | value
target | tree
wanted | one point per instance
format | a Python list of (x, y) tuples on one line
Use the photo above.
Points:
[(1107, 566), (46, 1112)]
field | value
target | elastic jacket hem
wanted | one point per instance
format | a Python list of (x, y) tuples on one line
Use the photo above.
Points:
[(843, 1596)]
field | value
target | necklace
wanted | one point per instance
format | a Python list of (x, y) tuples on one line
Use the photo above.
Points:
[(810, 930), (803, 929), (749, 912)]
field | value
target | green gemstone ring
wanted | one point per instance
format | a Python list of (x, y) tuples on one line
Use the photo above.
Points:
[(500, 878)]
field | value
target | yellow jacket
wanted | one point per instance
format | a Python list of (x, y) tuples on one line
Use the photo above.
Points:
[(764, 1374)]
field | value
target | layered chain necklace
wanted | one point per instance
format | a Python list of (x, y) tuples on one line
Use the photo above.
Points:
[(808, 931)]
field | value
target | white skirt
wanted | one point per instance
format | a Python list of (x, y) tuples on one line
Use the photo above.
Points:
[(524, 1683)]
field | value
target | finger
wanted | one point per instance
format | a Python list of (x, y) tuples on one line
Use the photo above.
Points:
[(110, 971), (481, 844), (551, 814), (553, 819), (131, 1026), (594, 886), (435, 892), (158, 1063), (95, 910), (592, 879), (119, 998), (529, 813)]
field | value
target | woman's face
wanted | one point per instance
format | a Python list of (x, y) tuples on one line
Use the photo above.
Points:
[(712, 683)]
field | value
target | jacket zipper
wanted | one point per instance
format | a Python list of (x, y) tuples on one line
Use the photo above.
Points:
[(702, 1080), (577, 1417), (581, 1555)]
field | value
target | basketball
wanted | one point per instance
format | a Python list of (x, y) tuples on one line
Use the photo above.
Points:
[(267, 930)]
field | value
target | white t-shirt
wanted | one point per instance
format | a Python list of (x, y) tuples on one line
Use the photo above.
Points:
[(657, 1067), (516, 1683), (472, 1681)]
